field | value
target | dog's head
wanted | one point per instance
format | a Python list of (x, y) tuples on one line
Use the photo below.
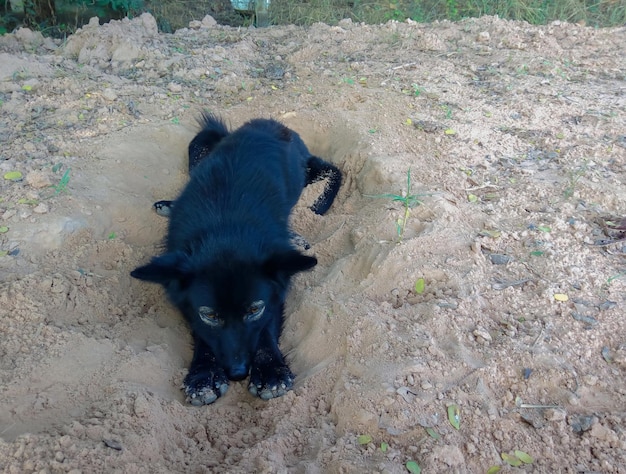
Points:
[(228, 303)]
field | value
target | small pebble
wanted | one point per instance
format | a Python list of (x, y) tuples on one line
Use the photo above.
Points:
[(174, 87), (481, 332), (554, 414), (499, 259), (40, 208), (109, 94), (483, 37), (29, 147), (208, 22), (38, 179), (581, 423), (113, 444)]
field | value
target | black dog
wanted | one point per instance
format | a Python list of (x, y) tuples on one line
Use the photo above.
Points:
[(229, 259)]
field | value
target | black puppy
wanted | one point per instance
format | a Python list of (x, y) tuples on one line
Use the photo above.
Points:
[(229, 259)]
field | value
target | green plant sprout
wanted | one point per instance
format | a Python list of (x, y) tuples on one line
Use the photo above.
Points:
[(415, 90), (408, 201), (573, 179), (615, 277), (61, 187)]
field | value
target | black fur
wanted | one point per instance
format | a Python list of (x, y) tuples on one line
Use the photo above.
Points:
[(229, 257), (212, 132)]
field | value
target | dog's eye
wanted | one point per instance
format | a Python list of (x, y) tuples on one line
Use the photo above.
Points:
[(208, 315), (255, 311)]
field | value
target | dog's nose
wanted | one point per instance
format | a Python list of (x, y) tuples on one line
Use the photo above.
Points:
[(238, 372)]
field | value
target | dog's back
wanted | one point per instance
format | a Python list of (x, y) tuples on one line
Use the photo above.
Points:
[(251, 178)]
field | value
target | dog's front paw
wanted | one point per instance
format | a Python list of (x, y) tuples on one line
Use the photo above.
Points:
[(270, 380), (203, 387)]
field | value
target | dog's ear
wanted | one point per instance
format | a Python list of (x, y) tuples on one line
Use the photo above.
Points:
[(163, 269), (285, 264)]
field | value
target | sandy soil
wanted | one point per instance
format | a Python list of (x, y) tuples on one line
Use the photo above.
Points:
[(515, 138)]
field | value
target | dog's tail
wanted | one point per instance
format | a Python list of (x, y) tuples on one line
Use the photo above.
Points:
[(213, 129), (318, 169)]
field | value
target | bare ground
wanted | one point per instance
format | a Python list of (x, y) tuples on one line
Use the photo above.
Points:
[(515, 138)]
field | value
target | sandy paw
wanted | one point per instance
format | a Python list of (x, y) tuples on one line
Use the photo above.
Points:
[(204, 395), (271, 383)]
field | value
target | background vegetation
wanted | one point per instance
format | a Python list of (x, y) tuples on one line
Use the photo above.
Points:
[(60, 17), (592, 12)]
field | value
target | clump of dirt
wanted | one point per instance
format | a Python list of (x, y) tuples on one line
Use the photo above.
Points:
[(514, 136)]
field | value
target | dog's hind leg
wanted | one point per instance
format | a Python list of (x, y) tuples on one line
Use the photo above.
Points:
[(163, 208), (298, 240), (318, 169), (212, 132)]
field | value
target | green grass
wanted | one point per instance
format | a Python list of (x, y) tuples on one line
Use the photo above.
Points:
[(573, 178), (408, 202), (61, 186), (592, 12), (174, 14)]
